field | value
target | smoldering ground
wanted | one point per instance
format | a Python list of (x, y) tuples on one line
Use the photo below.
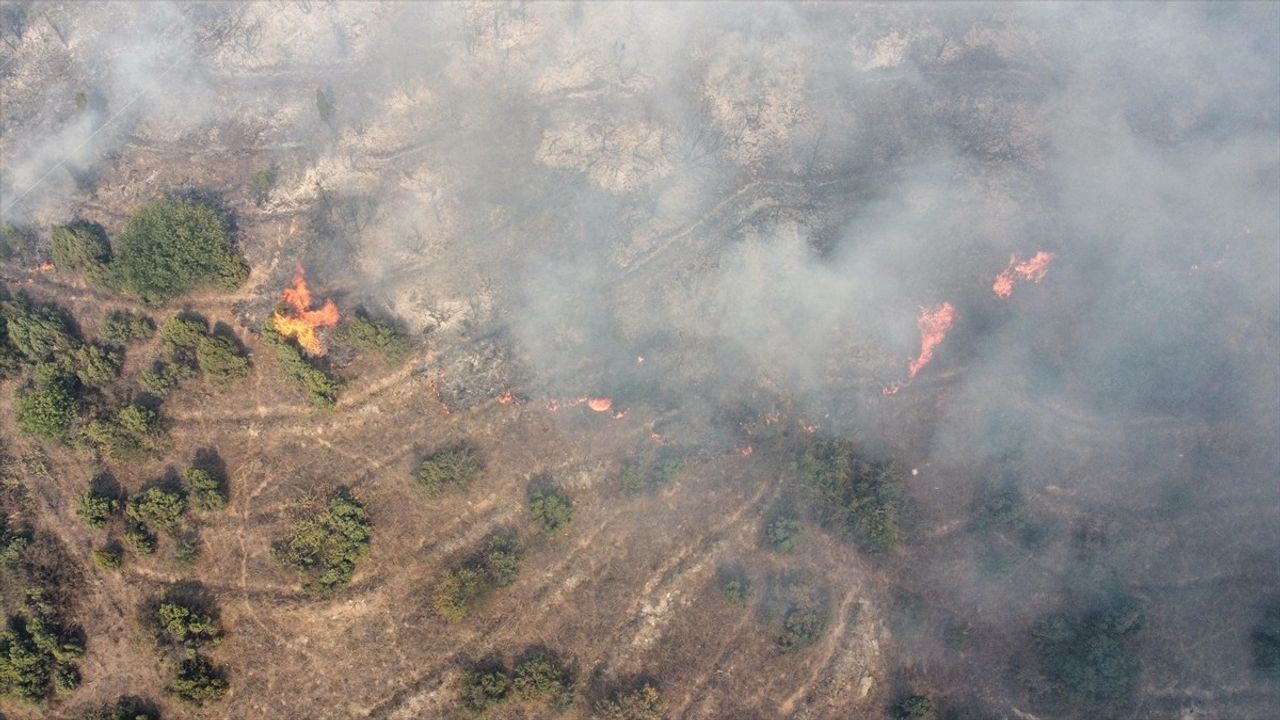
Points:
[(758, 200)]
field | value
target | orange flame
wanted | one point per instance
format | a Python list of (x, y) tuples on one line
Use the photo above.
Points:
[(933, 325), (745, 451), (507, 398), (1033, 270), (45, 266), (301, 322), (600, 404)]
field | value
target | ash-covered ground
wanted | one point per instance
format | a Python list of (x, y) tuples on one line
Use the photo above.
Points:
[(740, 224)]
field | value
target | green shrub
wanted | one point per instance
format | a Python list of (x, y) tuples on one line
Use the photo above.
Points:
[(1265, 641), (139, 539), (641, 703), (325, 546), (36, 655), (96, 366), (47, 410), (550, 507), (365, 334), (187, 625), (854, 495), (647, 472), (456, 592), (782, 531), (540, 675), (108, 558), (734, 584), (799, 610), (484, 687), (321, 389), (164, 377), (17, 243), (261, 183), (121, 328), (502, 558), (38, 332), (324, 104), (130, 434), (1085, 654), (206, 491), (183, 333), (199, 681), (156, 506), (80, 246), (172, 246), (914, 707), (220, 360), (12, 542), (125, 708), (96, 507), (453, 467)]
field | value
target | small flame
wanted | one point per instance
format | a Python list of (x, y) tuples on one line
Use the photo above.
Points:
[(507, 398), (301, 321), (1033, 270), (45, 266), (933, 325), (745, 451), (599, 404)]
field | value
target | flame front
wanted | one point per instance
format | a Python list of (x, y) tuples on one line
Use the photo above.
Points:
[(934, 325), (301, 321), (1033, 270)]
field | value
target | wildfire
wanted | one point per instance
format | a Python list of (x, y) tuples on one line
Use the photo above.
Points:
[(1033, 270), (301, 321), (933, 325), (598, 404), (507, 398)]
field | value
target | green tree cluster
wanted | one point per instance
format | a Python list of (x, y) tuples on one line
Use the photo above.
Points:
[(1085, 653), (914, 707), (496, 565), (321, 388), (550, 506), (325, 546), (191, 347), (648, 472), (454, 467), (206, 490), (855, 495), (96, 507), (364, 333), (199, 681), (539, 675), (131, 433), (640, 703), (82, 246), (37, 657), (121, 327), (172, 246), (187, 625), (125, 708), (782, 531)]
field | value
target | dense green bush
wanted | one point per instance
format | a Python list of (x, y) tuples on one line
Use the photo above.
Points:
[(321, 388), (540, 675), (782, 532), (454, 467), (131, 433), (206, 491), (172, 246), (647, 472), (261, 183), (734, 584), (139, 539), (550, 506), (125, 708), (38, 332), (501, 560), (1265, 639), (1085, 653), (189, 344), (187, 625), (121, 328), (484, 687), (37, 656), (96, 366), (325, 546), (12, 542), (47, 410), (108, 558), (455, 594), (81, 246), (914, 707), (855, 495), (96, 507), (641, 703), (366, 334), (156, 506), (199, 681)]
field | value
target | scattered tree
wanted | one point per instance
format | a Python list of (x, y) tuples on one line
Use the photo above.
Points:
[(206, 491), (454, 467), (47, 410), (484, 687), (641, 703), (854, 495), (324, 547), (783, 530), (175, 245), (550, 506), (199, 681), (96, 507), (131, 433), (914, 707), (108, 558), (456, 592), (156, 506), (1085, 653), (121, 328)]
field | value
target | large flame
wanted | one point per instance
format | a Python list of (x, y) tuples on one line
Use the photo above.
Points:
[(1033, 270), (301, 321), (934, 325)]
